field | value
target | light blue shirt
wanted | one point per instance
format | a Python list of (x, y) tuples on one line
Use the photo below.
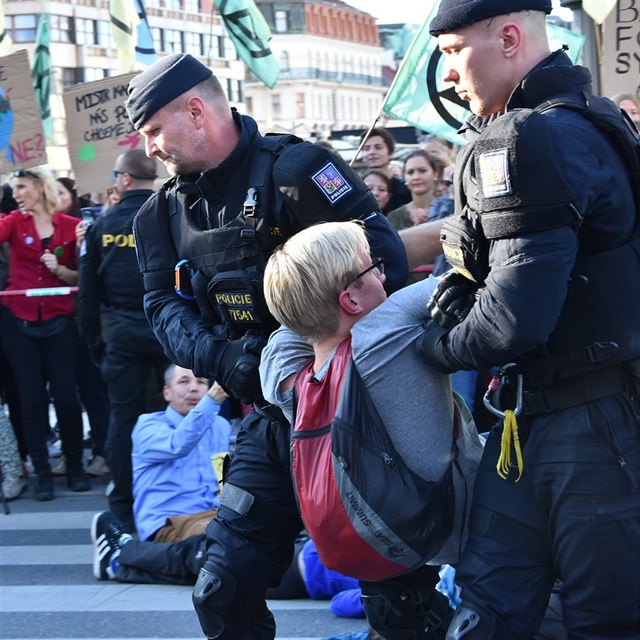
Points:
[(171, 459)]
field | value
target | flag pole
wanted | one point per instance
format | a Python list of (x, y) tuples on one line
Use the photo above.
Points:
[(386, 96)]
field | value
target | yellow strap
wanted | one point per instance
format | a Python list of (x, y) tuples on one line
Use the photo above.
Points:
[(509, 432)]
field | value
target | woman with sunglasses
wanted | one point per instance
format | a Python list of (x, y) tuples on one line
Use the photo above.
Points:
[(38, 332)]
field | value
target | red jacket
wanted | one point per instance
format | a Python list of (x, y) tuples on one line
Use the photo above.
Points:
[(27, 272)]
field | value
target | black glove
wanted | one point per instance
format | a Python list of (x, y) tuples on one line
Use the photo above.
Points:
[(97, 349), (431, 345), (452, 300), (237, 368)]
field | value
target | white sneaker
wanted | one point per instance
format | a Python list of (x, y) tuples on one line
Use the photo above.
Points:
[(13, 486), (97, 467), (61, 468)]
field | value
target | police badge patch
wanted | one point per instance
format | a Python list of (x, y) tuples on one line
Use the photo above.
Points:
[(494, 171), (331, 182)]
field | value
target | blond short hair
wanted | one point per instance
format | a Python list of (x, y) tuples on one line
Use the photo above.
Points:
[(303, 278)]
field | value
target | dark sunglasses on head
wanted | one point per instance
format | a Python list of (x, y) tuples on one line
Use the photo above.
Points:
[(23, 173), (116, 172)]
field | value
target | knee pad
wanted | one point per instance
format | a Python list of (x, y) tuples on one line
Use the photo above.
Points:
[(470, 624), (227, 614), (212, 597), (407, 614)]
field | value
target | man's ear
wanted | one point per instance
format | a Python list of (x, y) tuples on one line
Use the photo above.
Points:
[(349, 303), (196, 109), (166, 393), (511, 35)]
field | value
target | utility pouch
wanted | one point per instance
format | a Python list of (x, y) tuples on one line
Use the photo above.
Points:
[(237, 295), (465, 247)]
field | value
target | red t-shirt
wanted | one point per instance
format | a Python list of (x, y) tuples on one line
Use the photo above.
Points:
[(27, 272)]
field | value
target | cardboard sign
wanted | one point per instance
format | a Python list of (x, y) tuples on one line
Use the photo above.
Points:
[(22, 141), (621, 50), (99, 130)]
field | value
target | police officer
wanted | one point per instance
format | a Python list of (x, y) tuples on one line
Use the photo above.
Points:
[(545, 240), (202, 242), (131, 360)]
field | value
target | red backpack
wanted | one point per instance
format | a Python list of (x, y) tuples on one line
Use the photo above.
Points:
[(369, 515)]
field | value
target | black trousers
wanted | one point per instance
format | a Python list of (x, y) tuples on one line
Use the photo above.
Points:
[(134, 363), (37, 362), (161, 562)]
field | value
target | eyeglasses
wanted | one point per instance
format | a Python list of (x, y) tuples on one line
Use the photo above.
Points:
[(23, 173), (377, 266), (116, 172)]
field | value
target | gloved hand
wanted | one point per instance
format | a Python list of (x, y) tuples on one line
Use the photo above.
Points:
[(431, 345), (97, 350), (452, 300), (237, 368)]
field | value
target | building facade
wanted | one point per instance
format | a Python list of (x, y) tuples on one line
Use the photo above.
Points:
[(82, 48), (330, 69)]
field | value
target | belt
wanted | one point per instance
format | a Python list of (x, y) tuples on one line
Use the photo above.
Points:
[(575, 391), (271, 412)]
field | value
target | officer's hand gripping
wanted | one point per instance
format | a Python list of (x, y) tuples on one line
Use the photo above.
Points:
[(237, 368), (452, 300)]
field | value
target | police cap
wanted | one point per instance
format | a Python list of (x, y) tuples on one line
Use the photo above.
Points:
[(162, 82), (455, 14)]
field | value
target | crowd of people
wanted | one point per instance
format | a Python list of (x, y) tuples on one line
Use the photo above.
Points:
[(266, 271)]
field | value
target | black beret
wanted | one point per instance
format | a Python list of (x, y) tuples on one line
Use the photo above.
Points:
[(162, 82), (454, 14)]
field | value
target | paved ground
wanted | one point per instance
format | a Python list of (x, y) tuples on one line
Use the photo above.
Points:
[(47, 589)]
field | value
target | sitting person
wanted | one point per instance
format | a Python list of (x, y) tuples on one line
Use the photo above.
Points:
[(175, 485), (327, 268)]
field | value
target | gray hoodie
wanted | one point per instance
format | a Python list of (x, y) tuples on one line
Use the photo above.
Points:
[(414, 401)]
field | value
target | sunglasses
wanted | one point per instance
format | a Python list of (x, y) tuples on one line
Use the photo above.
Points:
[(116, 172), (23, 173)]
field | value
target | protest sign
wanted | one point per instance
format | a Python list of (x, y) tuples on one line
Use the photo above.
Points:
[(98, 130), (22, 141)]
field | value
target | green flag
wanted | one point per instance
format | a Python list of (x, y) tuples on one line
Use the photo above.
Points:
[(420, 97), (41, 73), (250, 35)]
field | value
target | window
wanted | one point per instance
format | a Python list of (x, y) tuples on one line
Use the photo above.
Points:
[(105, 36), (229, 50), (70, 76), (61, 28), (194, 44), (91, 74), (173, 5), (192, 6), (86, 31), (300, 113), (156, 32), (234, 90), (283, 61), (281, 21), (22, 28), (172, 41), (275, 105)]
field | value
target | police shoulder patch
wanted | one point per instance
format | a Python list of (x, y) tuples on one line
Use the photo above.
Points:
[(494, 173), (331, 182)]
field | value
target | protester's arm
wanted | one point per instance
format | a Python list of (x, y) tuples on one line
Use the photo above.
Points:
[(283, 357), (422, 243), (155, 440), (89, 291)]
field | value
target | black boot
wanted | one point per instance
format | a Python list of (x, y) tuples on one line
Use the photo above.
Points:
[(77, 479), (43, 490)]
